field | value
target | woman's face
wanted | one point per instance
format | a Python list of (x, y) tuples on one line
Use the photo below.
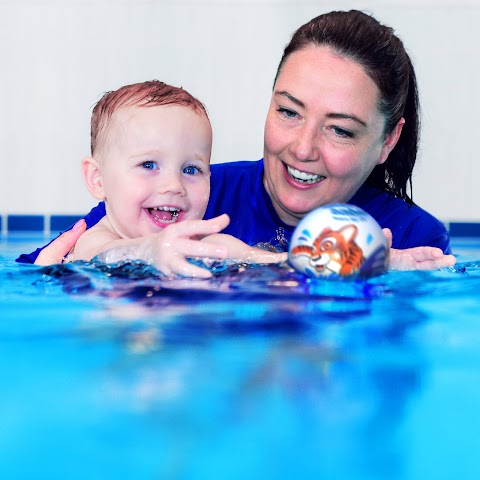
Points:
[(323, 132)]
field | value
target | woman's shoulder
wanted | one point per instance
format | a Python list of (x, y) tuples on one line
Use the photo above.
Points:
[(410, 224), (243, 176), (239, 167), (380, 202)]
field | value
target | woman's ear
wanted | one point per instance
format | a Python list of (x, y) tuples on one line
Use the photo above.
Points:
[(390, 141), (92, 176)]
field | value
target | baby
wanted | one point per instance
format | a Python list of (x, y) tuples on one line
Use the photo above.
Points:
[(150, 146)]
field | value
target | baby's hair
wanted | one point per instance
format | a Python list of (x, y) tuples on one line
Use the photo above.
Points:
[(146, 94)]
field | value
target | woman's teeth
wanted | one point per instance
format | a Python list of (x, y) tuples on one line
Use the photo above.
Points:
[(303, 176)]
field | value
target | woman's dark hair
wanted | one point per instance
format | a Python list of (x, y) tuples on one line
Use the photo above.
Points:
[(361, 38)]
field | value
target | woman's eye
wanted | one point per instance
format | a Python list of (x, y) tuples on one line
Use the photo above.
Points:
[(149, 165), (287, 112), (192, 170), (342, 132)]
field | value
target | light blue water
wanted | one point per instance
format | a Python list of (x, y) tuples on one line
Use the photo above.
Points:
[(254, 374)]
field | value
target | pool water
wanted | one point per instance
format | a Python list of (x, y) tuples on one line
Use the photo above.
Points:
[(256, 373)]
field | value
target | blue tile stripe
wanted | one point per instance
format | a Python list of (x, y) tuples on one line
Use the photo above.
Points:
[(54, 224), (464, 229), (45, 224), (25, 223), (59, 223)]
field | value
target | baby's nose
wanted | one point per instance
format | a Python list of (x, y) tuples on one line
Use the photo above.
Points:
[(171, 183)]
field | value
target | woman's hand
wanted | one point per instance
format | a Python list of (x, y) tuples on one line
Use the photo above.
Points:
[(61, 246), (418, 258)]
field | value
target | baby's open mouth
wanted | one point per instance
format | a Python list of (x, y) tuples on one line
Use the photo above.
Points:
[(304, 177), (164, 215)]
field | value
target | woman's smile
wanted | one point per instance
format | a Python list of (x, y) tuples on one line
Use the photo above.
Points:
[(304, 178)]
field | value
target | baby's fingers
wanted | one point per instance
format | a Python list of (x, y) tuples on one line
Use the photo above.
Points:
[(184, 268), (200, 228), (196, 248), (172, 259)]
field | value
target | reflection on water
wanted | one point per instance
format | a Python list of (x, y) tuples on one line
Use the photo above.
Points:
[(256, 373)]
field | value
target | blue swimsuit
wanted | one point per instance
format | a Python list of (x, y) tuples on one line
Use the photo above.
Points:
[(237, 189)]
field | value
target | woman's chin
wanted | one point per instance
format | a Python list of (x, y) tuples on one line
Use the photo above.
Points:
[(295, 211)]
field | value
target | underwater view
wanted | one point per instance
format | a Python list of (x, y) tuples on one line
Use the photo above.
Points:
[(259, 372)]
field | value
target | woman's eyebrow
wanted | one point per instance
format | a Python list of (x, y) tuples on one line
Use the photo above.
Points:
[(347, 117), (298, 102)]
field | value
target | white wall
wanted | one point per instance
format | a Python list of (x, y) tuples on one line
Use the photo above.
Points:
[(59, 56)]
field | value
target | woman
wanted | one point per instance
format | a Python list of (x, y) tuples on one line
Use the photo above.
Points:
[(342, 127)]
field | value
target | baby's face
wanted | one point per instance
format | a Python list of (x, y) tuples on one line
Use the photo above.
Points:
[(155, 168)]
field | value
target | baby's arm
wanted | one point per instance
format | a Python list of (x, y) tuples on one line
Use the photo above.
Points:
[(167, 250), (241, 252), (418, 258), (96, 240)]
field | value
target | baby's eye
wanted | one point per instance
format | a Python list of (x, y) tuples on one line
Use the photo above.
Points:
[(192, 170), (287, 112), (149, 165)]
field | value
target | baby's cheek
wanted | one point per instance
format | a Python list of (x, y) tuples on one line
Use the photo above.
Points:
[(200, 202)]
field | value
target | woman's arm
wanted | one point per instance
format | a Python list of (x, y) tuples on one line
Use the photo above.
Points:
[(62, 245)]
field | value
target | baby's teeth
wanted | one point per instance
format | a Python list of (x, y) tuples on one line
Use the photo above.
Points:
[(166, 209)]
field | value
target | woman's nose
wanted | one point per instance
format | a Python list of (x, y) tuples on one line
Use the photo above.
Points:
[(305, 147)]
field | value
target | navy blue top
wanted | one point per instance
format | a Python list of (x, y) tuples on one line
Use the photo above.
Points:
[(237, 189)]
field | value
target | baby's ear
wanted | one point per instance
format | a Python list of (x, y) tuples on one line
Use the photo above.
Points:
[(93, 177)]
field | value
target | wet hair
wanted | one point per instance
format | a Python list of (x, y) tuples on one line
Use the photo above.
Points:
[(361, 38), (146, 94)]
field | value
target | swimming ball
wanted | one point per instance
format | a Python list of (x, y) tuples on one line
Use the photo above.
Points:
[(339, 241)]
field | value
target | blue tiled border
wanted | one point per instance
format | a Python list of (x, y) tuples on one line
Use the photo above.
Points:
[(464, 229), (45, 224), (25, 223), (54, 224), (59, 223)]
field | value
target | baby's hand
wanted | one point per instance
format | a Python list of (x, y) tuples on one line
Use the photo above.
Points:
[(418, 258), (169, 249)]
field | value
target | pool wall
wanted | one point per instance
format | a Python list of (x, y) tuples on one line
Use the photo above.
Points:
[(45, 123), (54, 224)]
